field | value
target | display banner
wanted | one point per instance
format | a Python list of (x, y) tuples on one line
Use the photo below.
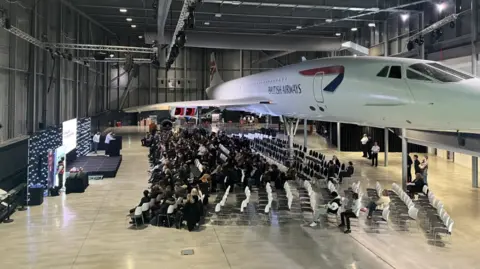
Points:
[(69, 135)]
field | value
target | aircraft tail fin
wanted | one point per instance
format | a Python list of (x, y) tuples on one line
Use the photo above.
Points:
[(215, 78)]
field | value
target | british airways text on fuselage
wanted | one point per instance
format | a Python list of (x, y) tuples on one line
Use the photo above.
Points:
[(285, 89)]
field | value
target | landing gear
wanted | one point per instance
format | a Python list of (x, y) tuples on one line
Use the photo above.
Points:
[(291, 125)]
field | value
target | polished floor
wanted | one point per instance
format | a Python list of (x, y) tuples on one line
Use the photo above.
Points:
[(90, 230)]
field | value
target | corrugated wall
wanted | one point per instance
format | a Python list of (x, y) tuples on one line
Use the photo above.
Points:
[(59, 24)]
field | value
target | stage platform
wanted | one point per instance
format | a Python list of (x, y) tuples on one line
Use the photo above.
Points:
[(98, 165)]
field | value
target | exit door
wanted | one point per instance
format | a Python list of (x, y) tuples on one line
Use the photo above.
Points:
[(318, 87)]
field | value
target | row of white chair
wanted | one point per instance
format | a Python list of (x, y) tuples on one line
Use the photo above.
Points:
[(412, 211), (441, 213), (356, 187), (289, 193), (311, 194), (331, 187), (270, 197), (218, 207), (247, 199)]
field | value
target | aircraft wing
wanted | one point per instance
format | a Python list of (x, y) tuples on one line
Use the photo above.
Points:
[(201, 103)]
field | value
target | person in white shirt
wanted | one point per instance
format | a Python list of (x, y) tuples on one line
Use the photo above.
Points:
[(364, 141), (110, 136), (375, 151), (424, 167), (379, 204), (353, 212), (96, 140)]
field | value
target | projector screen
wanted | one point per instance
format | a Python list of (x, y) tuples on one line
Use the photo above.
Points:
[(69, 135)]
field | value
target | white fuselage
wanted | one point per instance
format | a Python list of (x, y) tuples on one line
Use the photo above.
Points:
[(360, 97)]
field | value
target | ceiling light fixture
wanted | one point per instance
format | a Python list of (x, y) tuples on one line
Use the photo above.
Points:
[(371, 24), (140, 36), (123, 10), (112, 55), (218, 15), (129, 19), (338, 34), (441, 7), (405, 17), (328, 20), (354, 29), (206, 23), (134, 26), (299, 27)]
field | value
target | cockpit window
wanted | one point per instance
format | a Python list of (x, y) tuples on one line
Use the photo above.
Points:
[(451, 71), (395, 72), (435, 73), (416, 76), (384, 72)]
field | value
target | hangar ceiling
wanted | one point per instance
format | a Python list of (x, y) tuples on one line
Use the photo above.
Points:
[(324, 18)]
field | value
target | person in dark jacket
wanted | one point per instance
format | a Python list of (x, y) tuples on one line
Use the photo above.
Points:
[(191, 213), (331, 171), (346, 173), (145, 199), (416, 165), (416, 186), (409, 168)]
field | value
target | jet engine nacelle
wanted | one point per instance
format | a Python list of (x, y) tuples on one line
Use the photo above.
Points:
[(177, 112)]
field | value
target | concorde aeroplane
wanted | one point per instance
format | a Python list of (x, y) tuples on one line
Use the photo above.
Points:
[(368, 91)]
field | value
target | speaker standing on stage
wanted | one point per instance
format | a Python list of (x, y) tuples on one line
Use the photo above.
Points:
[(375, 151), (110, 136)]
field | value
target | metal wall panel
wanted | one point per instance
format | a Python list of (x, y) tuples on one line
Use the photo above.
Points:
[(59, 24)]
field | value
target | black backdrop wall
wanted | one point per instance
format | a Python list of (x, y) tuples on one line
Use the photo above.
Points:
[(14, 164), (350, 135)]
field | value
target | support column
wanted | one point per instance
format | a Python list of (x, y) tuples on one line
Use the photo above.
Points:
[(474, 171), (422, 25), (386, 147), (241, 63), (338, 136), (385, 39), (267, 121), (118, 86), (32, 100), (149, 84), (404, 159), (473, 27), (58, 69), (305, 134)]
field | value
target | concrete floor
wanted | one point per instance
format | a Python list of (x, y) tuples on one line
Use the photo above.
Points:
[(90, 230)]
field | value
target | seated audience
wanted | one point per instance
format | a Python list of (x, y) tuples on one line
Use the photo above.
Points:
[(332, 208), (379, 204), (346, 173), (353, 212), (416, 186)]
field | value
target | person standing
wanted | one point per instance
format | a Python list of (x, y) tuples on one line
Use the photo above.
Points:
[(96, 140), (369, 147), (108, 138), (364, 141), (416, 165), (375, 151), (409, 168), (424, 169)]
